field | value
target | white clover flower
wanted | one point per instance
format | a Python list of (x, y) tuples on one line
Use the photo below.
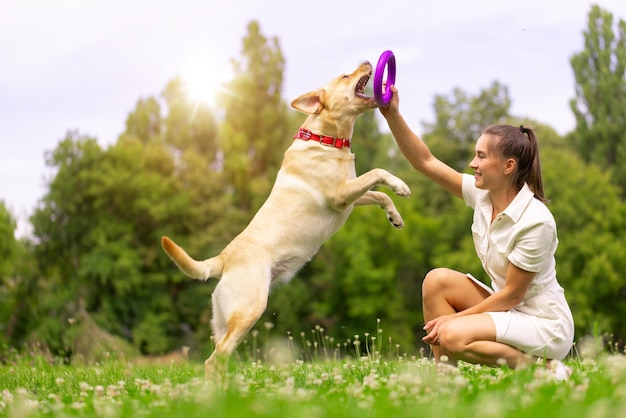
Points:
[(78, 405)]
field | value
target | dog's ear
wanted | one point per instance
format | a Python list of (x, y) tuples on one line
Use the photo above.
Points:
[(311, 102)]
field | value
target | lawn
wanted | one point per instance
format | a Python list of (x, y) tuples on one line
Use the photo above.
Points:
[(369, 385)]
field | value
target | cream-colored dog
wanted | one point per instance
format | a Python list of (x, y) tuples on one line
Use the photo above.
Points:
[(314, 193)]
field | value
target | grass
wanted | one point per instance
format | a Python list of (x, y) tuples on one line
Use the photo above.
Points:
[(333, 384)]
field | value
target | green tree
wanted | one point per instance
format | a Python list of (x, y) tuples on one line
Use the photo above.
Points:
[(8, 242), (592, 249), (97, 231), (254, 132), (600, 73), (460, 119), (8, 253), (145, 122), (368, 143)]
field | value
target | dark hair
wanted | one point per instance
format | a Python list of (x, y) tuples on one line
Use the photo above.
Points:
[(520, 143)]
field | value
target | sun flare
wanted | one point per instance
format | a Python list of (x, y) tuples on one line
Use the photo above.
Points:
[(204, 80)]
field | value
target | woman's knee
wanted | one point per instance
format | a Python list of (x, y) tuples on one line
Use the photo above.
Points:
[(435, 281), (451, 337)]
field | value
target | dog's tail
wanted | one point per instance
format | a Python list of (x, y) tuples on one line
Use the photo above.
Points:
[(202, 270)]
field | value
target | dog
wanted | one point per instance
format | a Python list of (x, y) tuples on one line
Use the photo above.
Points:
[(315, 191)]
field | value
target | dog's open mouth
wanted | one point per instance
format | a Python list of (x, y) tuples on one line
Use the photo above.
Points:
[(359, 90)]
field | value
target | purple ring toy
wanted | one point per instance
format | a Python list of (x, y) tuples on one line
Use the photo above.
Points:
[(387, 59)]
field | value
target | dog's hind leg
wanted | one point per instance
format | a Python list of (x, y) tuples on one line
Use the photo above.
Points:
[(385, 203), (239, 300)]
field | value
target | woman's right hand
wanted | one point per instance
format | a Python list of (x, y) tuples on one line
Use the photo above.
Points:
[(393, 107)]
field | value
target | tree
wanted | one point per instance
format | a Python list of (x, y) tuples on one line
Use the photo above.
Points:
[(460, 119), (600, 73), (368, 143), (7, 242), (254, 132), (591, 255), (97, 231), (8, 252)]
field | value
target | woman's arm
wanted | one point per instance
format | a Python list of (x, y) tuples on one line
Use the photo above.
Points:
[(417, 152), (511, 295)]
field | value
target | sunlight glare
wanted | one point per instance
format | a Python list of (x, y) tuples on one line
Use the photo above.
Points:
[(204, 79)]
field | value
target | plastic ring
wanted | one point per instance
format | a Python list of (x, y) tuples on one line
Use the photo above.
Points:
[(387, 59)]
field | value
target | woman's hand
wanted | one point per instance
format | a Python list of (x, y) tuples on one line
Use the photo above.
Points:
[(394, 104), (432, 327)]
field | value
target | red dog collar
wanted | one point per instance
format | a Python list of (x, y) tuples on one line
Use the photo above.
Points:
[(330, 141)]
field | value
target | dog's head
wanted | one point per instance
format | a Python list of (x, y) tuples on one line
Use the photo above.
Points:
[(343, 98)]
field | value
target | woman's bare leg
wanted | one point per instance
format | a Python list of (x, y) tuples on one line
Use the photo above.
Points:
[(472, 339), (445, 292)]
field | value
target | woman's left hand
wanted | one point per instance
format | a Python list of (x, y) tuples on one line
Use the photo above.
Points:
[(432, 327)]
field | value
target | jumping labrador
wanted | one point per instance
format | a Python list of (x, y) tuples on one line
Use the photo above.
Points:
[(314, 193)]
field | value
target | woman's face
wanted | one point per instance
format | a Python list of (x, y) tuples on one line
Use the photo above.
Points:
[(489, 167)]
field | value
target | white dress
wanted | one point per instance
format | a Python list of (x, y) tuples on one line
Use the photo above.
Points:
[(523, 234)]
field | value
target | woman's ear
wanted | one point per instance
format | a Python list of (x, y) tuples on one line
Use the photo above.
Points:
[(509, 166)]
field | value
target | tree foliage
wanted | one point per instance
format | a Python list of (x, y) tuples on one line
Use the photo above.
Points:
[(592, 249), (600, 73), (254, 133), (460, 119), (7, 242)]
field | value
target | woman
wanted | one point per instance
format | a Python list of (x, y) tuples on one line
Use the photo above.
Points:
[(525, 313)]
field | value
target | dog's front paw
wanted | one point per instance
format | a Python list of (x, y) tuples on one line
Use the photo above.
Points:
[(395, 218), (400, 188)]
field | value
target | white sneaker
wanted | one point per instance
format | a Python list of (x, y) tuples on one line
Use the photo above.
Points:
[(559, 370)]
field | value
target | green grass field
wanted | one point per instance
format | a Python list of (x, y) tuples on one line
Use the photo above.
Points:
[(370, 386)]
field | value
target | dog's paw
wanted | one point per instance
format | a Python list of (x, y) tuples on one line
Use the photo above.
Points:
[(400, 188), (397, 225), (395, 219)]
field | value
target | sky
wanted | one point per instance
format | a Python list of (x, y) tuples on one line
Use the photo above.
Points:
[(82, 65)]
